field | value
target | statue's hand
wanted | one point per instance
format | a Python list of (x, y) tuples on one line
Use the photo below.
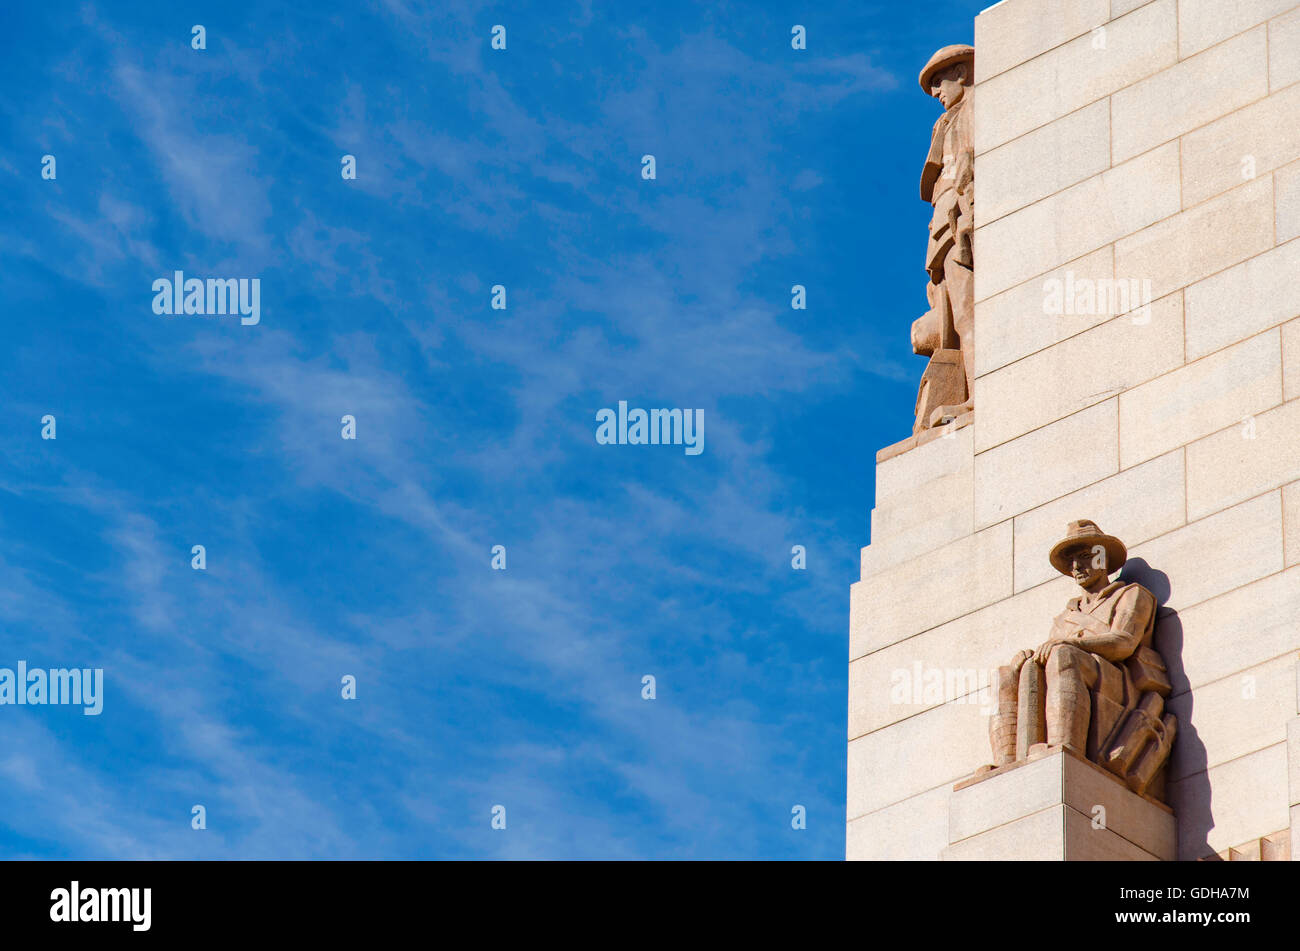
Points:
[(1045, 649), (1019, 660)]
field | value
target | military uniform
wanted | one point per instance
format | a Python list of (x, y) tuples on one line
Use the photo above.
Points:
[(1098, 684), (945, 333)]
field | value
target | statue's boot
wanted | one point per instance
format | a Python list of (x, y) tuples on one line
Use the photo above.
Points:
[(943, 415)]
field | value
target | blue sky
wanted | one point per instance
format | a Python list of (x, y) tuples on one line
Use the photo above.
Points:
[(475, 427)]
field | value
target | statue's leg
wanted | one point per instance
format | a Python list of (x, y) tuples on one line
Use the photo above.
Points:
[(960, 281), (959, 291), (1002, 727), (1031, 726), (1071, 671)]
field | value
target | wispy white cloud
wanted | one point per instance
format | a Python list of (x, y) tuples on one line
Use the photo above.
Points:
[(475, 427)]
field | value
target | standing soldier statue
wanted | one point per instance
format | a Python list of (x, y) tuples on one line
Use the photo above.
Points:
[(946, 332)]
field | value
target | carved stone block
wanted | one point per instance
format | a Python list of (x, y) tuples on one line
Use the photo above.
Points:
[(1056, 806)]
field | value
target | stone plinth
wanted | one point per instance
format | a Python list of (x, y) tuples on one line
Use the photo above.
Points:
[(1057, 807)]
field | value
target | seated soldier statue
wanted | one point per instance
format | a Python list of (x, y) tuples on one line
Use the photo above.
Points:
[(1096, 685)]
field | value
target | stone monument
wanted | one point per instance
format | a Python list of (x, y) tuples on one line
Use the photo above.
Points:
[(1132, 337)]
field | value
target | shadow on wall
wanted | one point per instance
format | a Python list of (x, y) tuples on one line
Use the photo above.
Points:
[(1191, 797)]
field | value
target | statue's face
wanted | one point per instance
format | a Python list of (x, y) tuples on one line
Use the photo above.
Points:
[(1082, 569), (948, 85)]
